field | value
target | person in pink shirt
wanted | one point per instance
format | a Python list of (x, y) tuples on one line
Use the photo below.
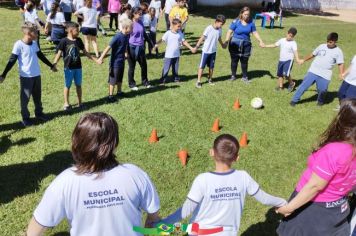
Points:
[(319, 205), (114, 8)]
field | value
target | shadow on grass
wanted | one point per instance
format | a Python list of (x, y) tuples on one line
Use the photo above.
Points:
[(61, 234), (6, 143), (330, 96), (266, 228), (87, 106), (9, 5), (20, 179)]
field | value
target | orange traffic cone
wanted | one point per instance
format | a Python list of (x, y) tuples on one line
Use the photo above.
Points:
[(243, 140), (154, 137), (215, 127), (237, 105), (183, 155)]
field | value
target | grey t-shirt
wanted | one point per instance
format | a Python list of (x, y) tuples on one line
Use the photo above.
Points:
[(325, 59)]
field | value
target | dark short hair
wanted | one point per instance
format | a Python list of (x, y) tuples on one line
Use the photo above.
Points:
[(293, 31), (220, 18), (135, 10), (333, 36), (71, 24), (226, 148), (94, 140), (176, 22)]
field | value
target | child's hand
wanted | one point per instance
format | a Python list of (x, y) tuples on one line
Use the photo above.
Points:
[(126, 55), (300, 62), (262, 44), (99, 61), (341, 76), (2, 78), (284, 211), (54, 68), (194, 50)]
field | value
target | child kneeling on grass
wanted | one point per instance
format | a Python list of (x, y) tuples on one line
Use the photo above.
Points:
[(70, 48), (98, 196), (288, 51), (174, 39), (118, 45), (217, 198), (27, 52)]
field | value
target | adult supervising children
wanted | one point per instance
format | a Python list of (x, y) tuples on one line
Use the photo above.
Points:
[(238, 37)]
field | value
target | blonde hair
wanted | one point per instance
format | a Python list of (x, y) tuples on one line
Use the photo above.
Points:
[(28, 27), (126, 23)]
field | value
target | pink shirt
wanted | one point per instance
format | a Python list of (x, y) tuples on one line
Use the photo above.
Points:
[(114, 6), (335, 164)]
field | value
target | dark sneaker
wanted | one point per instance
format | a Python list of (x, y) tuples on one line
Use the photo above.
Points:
[(210, 82), (292, 103), (198, 85), (176, 80), (27, 122), (111, 99), (233, 78), (278, 89), (320, 104), (291, 87), (120, 94), (82, 106), (42, 117)]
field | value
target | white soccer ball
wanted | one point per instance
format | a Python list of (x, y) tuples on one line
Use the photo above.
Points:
[(257, 103)]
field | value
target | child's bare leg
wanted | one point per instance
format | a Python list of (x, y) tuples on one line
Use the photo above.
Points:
[(290, 81), (211, 72), (111, 90), (66, 96), (86, 43), (95, 45), (280, 82), (200, 73), (79, 94)]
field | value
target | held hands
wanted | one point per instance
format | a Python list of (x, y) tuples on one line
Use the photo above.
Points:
[(54, 68), (262, 44), (284, 210), (300, 62), (342, 76), (194, 50), (98, 61)]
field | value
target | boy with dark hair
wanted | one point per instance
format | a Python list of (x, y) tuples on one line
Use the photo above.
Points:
[(118, 45), (27, 53), (70, 47), (174, 38), (288, 51), (217, 198), (211, 37), (320, 72)]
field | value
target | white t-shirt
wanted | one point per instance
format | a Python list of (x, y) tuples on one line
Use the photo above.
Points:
[(134, 3), (173, 41), (221, 199), (325, 59), (351, 76), (156, 5), (108, 205), (169, 5), (146, 20), (57, 20), (287, 49), (212, 36), (47, 5), (78, 4), (27, 58), (153, 25), (66, 5), (31, 16), (89, 17)]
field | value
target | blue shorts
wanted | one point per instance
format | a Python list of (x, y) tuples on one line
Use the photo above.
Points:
[(88, 31), (207, 59), (284, 68), (72, 74)]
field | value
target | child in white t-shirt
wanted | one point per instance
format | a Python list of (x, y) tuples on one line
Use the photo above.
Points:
[(97, 196), (288, 51), (348, 86), (211, 37), (320, 72), (27, 53), (217, 198), (174, 39)]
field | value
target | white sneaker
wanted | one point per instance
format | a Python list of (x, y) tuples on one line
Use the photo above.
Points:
[(210, 82), (134, 88), (49, 38), (148, 86)]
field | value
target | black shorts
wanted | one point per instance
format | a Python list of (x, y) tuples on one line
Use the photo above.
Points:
[(116, 75), (88, 31), (317, 219)]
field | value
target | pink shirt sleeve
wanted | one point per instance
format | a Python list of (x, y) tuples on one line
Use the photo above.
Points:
[(324, 164)]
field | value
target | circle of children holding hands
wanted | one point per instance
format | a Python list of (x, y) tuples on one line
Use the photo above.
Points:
[(98, 187), (321, 191)]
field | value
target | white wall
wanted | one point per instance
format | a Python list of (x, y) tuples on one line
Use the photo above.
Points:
[(305, 4)]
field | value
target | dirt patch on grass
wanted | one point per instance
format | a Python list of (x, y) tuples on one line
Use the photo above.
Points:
[(340, 14)]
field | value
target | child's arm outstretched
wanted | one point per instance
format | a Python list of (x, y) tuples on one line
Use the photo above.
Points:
[(103, 54), (186, 210), (200, 41), (193, 50), (10, 64), (44, 59), (223, 45), (267, 199), (346, 72), (341, 71), (296, 55), (86, 53)]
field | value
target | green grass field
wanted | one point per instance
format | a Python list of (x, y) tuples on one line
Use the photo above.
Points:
[(280, 137)]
